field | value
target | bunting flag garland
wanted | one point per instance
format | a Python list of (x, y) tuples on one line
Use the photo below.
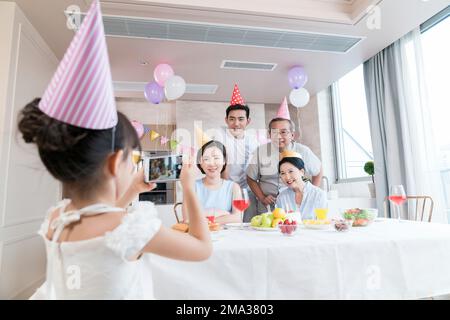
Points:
[(153, 135), (164, 140), (173, 144)]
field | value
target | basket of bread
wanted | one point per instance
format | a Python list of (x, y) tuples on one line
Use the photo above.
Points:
[(184, 227)]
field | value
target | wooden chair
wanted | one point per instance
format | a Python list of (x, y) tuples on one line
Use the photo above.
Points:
[(423, 207), (175, 206)]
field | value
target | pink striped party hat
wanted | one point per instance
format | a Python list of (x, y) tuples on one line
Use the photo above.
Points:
[(283, 111), (81, 91)]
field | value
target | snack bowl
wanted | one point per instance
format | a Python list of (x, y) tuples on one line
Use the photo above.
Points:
[(287, 229), (360, 217), (342, 225)]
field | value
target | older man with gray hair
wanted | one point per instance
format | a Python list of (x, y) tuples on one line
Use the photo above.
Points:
[(262, 172)]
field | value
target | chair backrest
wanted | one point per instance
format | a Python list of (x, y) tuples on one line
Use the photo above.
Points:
[(421, 205), (175, 206)]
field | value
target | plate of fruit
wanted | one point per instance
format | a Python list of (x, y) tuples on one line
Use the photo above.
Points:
[(317, 224), (360, 217), (269, 221)]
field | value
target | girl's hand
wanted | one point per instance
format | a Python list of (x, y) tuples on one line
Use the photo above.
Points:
[(187, 175), (139, 185)]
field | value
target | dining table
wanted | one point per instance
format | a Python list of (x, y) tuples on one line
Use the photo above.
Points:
[(389, 259)]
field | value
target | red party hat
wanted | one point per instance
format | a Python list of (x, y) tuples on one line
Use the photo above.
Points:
[(236, 97)]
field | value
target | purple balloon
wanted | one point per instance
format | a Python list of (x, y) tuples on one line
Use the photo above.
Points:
[(297, 77), (153, 92)]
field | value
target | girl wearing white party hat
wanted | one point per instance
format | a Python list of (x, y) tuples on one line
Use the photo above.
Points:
[(94, 241)]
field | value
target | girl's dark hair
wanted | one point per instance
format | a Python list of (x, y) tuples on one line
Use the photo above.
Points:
[(71, 154), (211, 144), (296, 162)]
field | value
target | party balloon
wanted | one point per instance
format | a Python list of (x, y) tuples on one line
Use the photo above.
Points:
[(299, 97), (139, 127), (161, 73), (154, 93), (297, 77), (175, 87)]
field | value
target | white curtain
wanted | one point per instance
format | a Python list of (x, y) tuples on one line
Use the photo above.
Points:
[(402, 133)]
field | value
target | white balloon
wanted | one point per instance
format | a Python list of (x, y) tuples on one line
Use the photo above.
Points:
[(299, 97), (174, 87)]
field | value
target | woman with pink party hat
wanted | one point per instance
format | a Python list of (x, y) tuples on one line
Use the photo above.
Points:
[(95, 243)]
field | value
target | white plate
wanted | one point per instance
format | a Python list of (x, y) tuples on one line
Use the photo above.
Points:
[(264, 229), (236, 225), (317, 226)]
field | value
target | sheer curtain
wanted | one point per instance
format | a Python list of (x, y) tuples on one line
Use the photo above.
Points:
[(401, 128)]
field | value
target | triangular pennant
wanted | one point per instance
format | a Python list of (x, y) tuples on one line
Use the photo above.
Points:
[(164, 140), (200, 137), (146, 129), (153, 135), (173, 144)]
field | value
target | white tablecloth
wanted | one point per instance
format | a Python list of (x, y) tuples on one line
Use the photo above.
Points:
[(387, 260)]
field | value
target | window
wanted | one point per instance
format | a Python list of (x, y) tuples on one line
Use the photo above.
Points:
[(351, 126), (436, 53)]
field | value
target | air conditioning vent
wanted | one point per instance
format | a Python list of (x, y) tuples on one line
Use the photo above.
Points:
[(246, 65), (201, 88), (133, 27)]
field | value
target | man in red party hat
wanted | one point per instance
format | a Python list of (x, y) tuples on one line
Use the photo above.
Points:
[(239, 144)]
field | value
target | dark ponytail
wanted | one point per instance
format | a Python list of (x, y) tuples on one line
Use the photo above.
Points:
[(71, 154)]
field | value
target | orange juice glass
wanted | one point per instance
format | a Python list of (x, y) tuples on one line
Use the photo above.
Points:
[(321, 213)]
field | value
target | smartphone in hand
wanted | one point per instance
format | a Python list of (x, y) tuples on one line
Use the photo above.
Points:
[(162, 169)]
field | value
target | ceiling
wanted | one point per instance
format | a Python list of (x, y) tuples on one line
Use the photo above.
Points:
[(200, 62)]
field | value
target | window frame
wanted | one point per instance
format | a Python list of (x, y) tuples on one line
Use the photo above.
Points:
[(424, 27), (339, 152), (435, 20)]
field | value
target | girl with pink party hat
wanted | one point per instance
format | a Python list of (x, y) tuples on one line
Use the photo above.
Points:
[(95, 243)]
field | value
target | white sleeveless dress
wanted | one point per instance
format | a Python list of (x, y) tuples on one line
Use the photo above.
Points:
[(100, 268)]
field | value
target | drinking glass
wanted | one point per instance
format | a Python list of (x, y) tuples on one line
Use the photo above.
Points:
[(241, 202), (397, 196)]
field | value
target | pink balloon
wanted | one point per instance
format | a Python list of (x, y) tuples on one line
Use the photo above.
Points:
[(162, 73), (139, 127)]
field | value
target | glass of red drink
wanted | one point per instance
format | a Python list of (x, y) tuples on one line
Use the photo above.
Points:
[(241, 202), (397, 196)]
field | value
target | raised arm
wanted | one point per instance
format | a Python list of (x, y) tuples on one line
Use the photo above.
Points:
[(194, 246)]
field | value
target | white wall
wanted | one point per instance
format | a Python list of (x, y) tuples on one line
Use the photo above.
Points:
[(26, 189), (145, 112)]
